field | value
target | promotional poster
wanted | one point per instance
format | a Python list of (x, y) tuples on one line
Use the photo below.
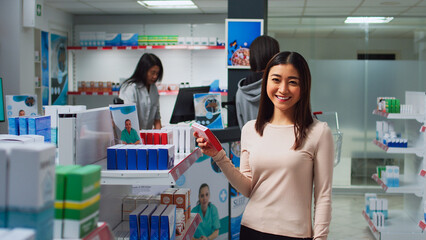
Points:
[(125, 122), (21, 105), (59, 70), (208, 110), (204, 175), (45, 67), (240, 33)]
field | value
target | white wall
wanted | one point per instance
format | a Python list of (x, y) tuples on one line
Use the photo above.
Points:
[(17, 45), (346, 48)]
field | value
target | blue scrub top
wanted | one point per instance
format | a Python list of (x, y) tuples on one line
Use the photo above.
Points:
[(210, 222), (130, 138)]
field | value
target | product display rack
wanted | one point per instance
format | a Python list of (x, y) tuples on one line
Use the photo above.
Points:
[(189, 47), (407, 223), (149, 177)]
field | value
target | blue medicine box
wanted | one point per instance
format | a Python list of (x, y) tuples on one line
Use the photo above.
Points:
[(129, 39), (145, 221), (38, 123), (131, 157), (13, 126), (134, 221), (113, 39), (23, 126), (168, 223), (155, 221), (142, 158), (153, 158), (166, 157), (122, 158), (112, 156)]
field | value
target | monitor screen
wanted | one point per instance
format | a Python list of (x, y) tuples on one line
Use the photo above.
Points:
[(2, 114), (184, 105)]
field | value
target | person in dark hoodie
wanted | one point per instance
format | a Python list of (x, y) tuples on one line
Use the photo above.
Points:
[(262, 49)]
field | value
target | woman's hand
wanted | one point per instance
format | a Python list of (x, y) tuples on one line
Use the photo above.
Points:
[(205, 146)]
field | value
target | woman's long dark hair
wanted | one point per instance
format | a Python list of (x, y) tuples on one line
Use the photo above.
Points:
[(302, 110), (262, 49), (147, 61)]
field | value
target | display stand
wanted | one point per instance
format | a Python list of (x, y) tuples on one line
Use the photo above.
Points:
[(407, 223)]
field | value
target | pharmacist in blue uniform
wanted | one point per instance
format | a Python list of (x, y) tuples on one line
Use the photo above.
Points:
[(140, 89), (208, 229), (129, 135)]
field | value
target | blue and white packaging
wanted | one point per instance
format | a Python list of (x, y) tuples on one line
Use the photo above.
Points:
[(396, 176), (37, 163), (13, 125), (152, 157), (168, 223), (189, 139), (41, 222), (132, 157), (129, 39), (112, 156), (23, 125), (142, 158), (155, 222), (38, 123), (373, 202), (166, 156), (389, 176), (122, 158), (112, 39), (134, 221), (145, 221), (181, 143)]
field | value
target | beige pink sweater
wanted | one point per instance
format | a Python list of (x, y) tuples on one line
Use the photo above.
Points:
[(279, 180)]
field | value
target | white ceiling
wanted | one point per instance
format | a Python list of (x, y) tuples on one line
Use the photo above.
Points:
[(290, 18)]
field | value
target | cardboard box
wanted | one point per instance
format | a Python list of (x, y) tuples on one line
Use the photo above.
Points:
[(152, 158), (142, 157), (132, 157), (167, 196), (112, 156), (166, 156), (82, 197), (145, 221)]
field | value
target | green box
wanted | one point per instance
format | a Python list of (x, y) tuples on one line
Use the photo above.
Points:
[(82, 198), (388, 105), (397, 106)]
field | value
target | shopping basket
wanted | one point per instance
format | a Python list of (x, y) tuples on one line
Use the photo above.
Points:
[(332, 119)]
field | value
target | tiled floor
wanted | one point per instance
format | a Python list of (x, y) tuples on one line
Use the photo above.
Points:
[(347, 222)]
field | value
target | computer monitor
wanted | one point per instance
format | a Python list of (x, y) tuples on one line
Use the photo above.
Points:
[(184, 105), (2, 114)]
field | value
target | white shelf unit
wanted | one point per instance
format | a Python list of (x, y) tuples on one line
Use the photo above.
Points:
[(407, 223)]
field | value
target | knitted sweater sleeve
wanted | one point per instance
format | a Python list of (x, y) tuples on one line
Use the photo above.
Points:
[(323, 175), (240, 179)]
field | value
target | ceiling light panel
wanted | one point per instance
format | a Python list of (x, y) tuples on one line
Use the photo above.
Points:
[(350, 20)]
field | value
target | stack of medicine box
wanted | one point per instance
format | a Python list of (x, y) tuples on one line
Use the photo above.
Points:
[(53, 111), (388, 104), (156, 137), (181, 198), (131, 202), (34, 125), (153, 221), (389, 175), (183, 138), (27, 179), (81, 201), (374, 205), (140, 157)]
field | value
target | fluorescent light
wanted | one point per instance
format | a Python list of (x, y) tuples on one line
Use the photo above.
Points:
[(168, 4), (368, 19)]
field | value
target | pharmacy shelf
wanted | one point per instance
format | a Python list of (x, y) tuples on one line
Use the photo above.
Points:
[(115, 93), (418, 117), (410, 188), (187, 47), (396, 150), (149, 177), (398, 226), (122, 229)]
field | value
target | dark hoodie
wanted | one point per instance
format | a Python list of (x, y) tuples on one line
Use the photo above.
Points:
[(247, 97)]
